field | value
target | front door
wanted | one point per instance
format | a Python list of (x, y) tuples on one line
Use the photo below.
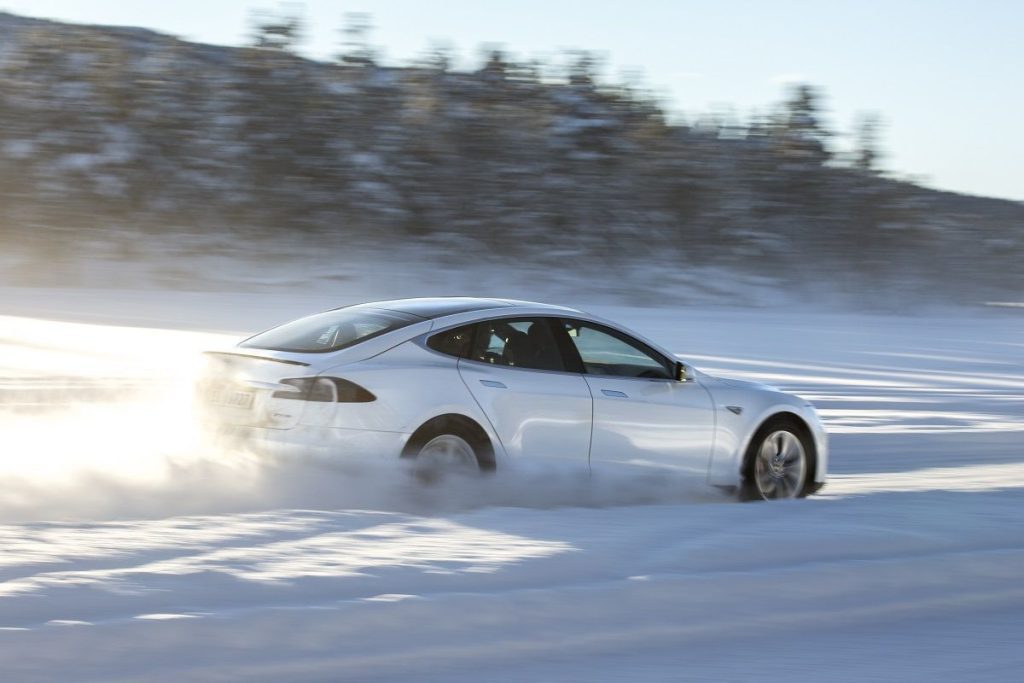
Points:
[(642, 414)]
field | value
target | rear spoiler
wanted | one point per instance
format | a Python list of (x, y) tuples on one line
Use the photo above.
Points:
[(250, 355)]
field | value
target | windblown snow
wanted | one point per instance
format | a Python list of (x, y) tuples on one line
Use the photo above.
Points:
[(134, 551)]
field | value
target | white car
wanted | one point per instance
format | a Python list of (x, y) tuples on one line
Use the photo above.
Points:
[(468, 383)]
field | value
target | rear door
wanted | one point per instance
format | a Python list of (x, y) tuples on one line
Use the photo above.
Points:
[(642, 413), (516, 372)]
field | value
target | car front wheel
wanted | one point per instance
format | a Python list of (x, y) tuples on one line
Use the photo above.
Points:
[(779, 463)]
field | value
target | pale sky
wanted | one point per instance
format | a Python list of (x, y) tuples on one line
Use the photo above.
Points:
[(946, 77)]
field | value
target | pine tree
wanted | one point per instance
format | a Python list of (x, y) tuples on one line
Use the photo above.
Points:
[(355, 44), (282, 32), (802, 135), (866, 152)]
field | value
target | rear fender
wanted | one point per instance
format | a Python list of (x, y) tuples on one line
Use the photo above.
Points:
[(413, 385)]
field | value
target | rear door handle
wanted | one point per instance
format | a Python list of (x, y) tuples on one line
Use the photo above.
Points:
[(614, 394), (493, 383)]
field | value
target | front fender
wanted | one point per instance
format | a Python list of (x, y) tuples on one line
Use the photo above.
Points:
[(734, 432)]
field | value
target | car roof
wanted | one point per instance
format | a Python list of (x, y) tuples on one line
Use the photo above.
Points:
[(438, 307)]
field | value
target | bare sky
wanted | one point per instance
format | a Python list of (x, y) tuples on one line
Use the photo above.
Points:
[(944, 75)]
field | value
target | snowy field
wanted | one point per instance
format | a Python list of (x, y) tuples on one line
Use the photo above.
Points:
[(133, 551)]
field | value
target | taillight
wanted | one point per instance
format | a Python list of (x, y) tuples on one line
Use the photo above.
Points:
[(324, 390)]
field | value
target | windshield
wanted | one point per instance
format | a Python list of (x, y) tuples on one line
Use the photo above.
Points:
[(330, 331)]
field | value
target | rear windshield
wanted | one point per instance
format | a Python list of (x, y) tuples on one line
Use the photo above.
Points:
[(330, 331)]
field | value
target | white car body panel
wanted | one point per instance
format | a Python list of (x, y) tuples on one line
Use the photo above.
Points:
[(702, 426), (413, 385)]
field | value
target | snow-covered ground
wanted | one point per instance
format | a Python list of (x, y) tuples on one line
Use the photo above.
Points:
[(132, 551)]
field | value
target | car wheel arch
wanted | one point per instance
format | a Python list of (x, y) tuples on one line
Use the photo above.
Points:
[(459, 425)]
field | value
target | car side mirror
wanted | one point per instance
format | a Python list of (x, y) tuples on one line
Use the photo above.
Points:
[(683, 372)]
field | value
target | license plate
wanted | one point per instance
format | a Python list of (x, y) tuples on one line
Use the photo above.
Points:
[(232, 398)]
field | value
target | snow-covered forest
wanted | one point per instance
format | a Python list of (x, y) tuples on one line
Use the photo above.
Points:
[(117, 137)]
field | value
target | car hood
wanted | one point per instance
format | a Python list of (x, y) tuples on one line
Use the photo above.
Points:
[(728, 389), (730, 383)]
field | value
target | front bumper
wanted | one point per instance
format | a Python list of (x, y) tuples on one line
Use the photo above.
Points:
[(820, 448)]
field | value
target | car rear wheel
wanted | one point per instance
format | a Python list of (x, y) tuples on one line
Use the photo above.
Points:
[(449, 445), (778, 463), (448, 453)]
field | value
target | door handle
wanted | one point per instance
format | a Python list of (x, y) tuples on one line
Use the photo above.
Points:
[(493, 383), (614, 394)]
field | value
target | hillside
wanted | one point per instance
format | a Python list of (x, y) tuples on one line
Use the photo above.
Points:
[(124, 136)]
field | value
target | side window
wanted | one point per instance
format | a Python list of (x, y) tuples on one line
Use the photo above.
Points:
[(453, 342), (606, 352), (520, 343)]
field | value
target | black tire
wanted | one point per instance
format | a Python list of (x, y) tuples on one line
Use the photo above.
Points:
[(757, 472)]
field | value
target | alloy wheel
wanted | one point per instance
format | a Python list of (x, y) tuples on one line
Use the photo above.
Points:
[(780, 466), (447, 453)]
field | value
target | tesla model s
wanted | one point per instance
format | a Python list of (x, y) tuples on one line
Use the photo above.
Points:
[(469, 384)]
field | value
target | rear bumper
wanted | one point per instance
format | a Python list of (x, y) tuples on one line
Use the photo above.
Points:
[(304, 441)]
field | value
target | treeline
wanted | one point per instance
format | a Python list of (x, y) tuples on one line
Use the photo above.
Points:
[(104, 128)]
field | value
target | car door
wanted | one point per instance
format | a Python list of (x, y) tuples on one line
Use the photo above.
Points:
[(516, 372), (642, 413)]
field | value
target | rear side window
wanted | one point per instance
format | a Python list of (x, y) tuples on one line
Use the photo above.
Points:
[(522, 343), (330, 331), (453, 342)]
